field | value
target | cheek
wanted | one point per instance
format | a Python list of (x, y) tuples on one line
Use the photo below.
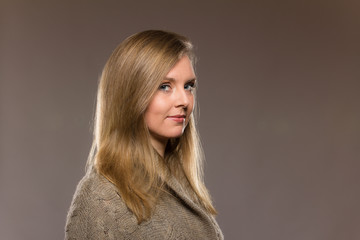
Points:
[(190, 109), (191, 105), (156, 111), (157, 106)]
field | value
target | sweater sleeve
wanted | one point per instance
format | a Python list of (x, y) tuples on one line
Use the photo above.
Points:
[(88, 219), (93, 212), (84, 224)]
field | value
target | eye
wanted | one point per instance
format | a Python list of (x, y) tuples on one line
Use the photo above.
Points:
[(189, 86), (165, 87)]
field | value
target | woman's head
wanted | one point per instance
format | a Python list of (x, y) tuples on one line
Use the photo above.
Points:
[(145, 97), (131, 78)]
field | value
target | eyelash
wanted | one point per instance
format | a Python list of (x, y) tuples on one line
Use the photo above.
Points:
[(191, 85), (164, 86)]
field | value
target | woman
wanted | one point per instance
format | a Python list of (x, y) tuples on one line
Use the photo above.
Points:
[(143, 178)]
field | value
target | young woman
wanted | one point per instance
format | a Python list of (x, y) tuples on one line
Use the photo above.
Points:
[(143, 177)]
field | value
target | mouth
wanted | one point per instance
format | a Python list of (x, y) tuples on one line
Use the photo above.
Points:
[(177, 118)]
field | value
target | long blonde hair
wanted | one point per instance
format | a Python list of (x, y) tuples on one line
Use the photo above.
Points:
[(122, 151)]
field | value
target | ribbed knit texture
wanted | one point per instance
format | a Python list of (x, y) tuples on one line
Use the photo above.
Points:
[(98, 212)]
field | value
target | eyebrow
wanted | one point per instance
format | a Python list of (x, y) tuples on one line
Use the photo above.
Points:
[(173, 79)]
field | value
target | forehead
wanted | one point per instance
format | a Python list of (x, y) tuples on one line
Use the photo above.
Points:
[(183, 69)]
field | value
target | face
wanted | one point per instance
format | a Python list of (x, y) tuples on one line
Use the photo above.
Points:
[(170, 108)]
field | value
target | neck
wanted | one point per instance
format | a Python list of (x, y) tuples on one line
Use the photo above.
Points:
[(159, 144)]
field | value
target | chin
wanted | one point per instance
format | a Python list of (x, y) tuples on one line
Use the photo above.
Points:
[(175, 134)]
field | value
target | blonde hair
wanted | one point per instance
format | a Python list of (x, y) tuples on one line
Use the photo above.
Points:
[(122, 151)]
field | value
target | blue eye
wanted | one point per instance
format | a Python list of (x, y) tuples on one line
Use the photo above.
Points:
[(189, 86), (164, 87)]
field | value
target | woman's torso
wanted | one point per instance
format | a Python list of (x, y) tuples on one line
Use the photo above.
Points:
[(98, 212)]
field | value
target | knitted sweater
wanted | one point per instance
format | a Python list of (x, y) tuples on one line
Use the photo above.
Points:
[(98, 212)]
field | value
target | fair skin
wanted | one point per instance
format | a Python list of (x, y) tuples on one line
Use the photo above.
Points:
[(170, 108)]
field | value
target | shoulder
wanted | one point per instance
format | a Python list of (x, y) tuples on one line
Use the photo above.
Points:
[(97, 211)]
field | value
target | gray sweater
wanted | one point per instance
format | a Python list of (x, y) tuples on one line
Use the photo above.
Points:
[(98, 212)]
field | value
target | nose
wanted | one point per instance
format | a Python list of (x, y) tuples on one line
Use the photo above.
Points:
[(182, 98)]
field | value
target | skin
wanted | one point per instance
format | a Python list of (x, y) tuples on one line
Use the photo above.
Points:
[(170, 108)]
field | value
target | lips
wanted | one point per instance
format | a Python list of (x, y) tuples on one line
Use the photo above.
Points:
[(177, 118)]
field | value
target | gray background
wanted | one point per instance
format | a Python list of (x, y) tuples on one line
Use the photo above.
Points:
[(279, 95)]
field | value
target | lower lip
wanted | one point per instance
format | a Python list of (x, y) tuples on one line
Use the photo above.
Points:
[(177, 119)]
